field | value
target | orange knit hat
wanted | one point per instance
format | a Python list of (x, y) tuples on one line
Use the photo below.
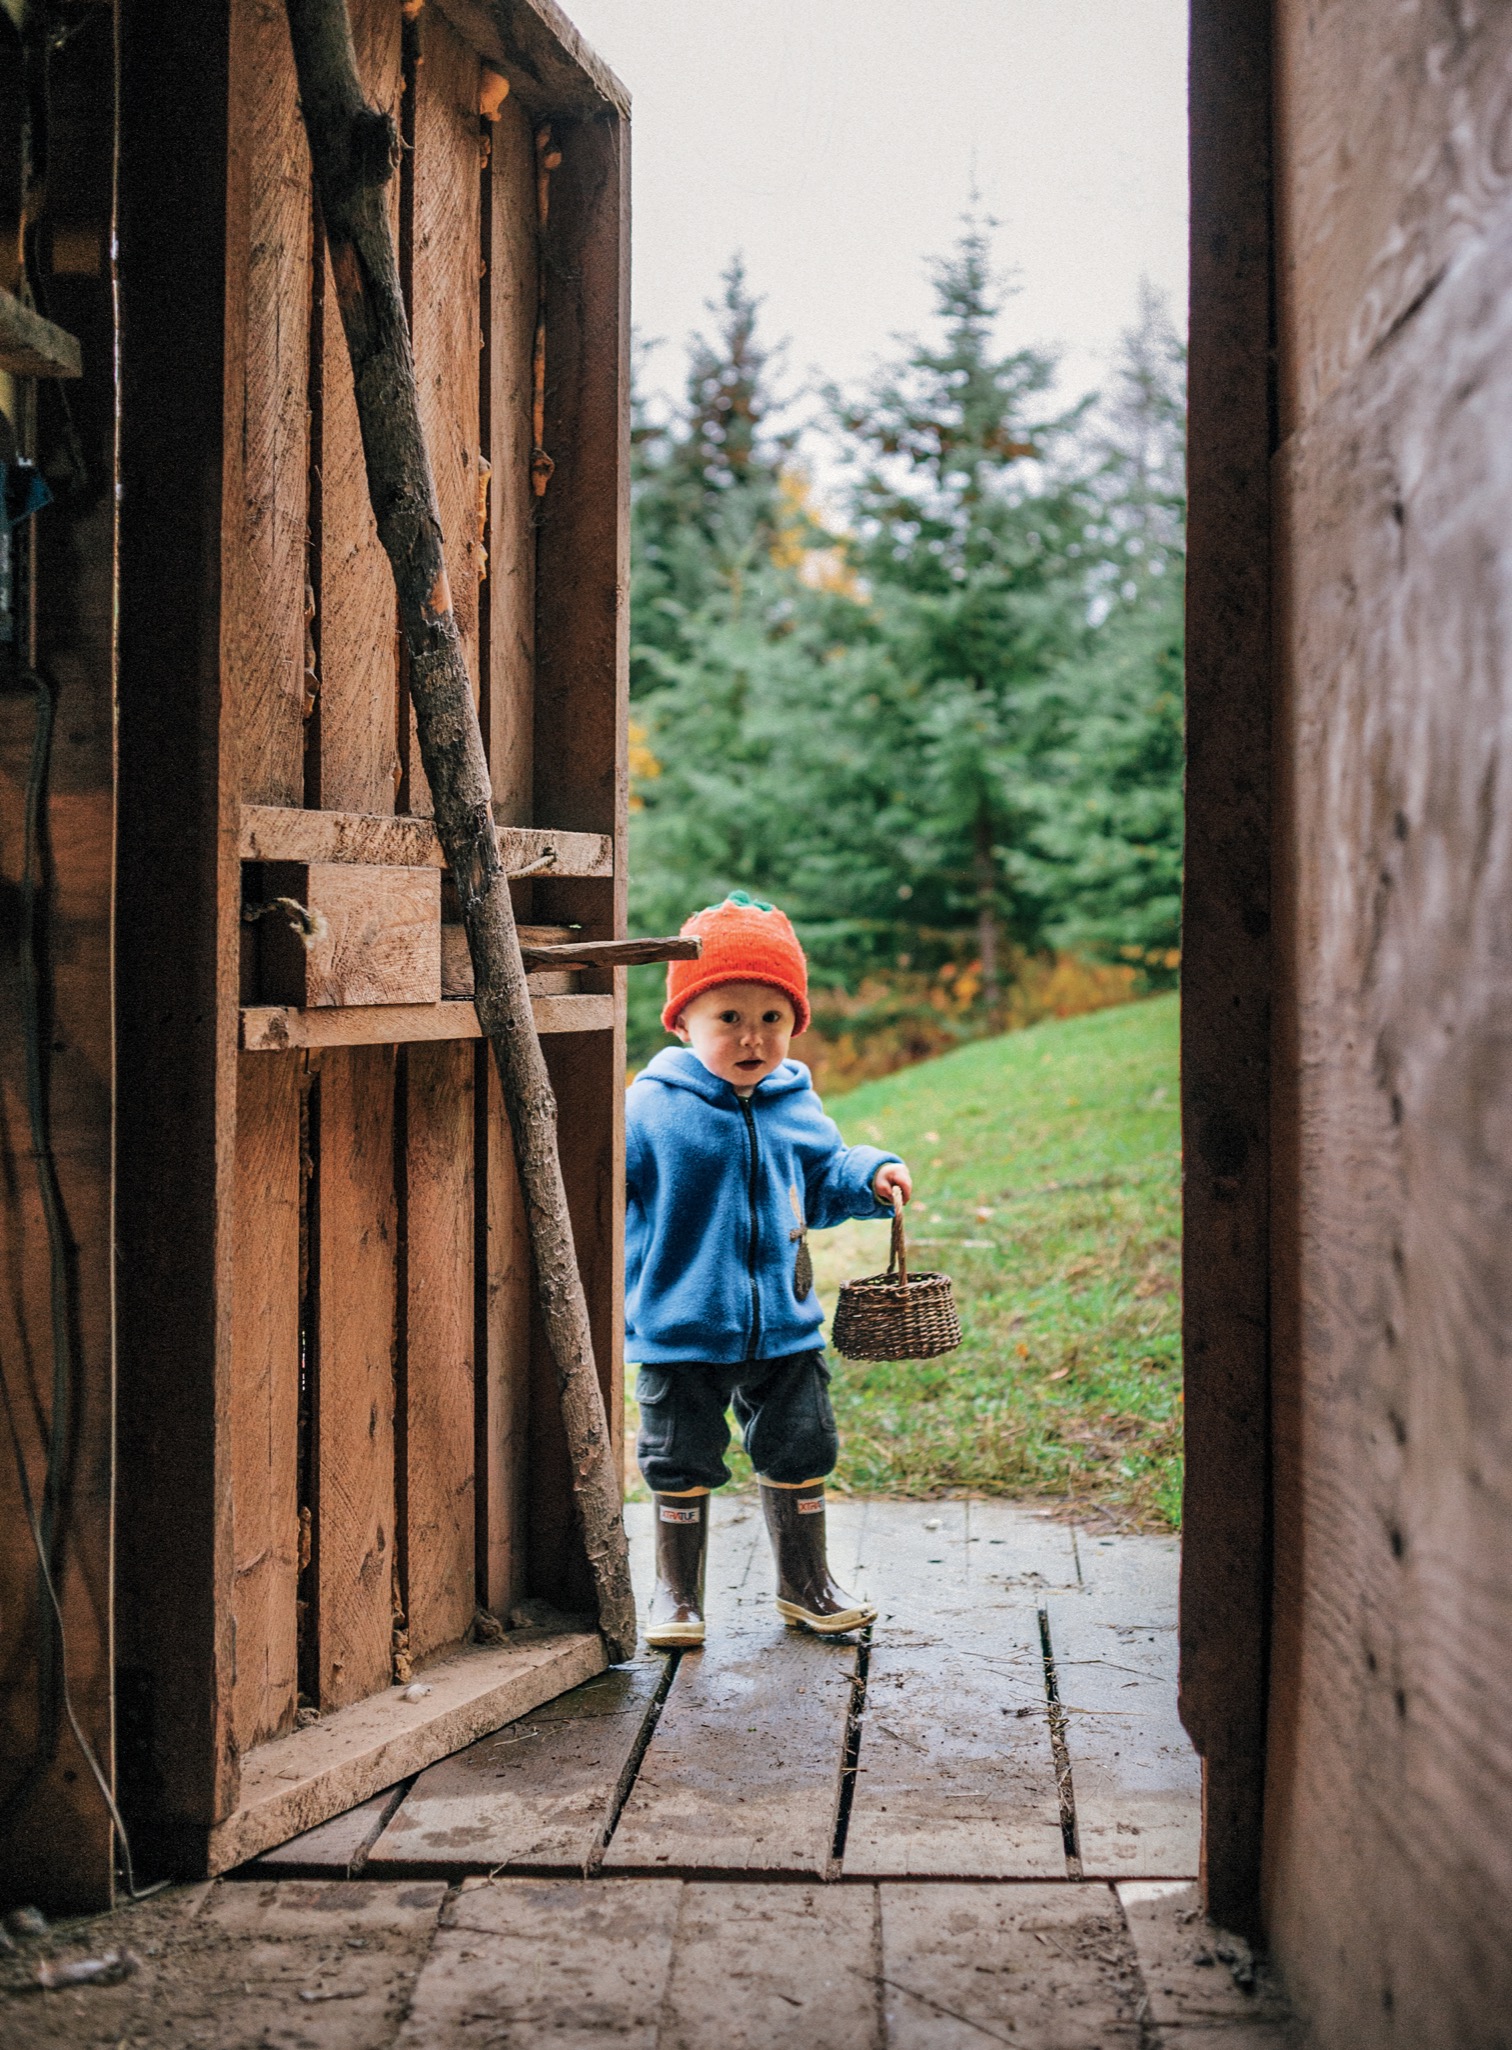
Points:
[(744, 940)]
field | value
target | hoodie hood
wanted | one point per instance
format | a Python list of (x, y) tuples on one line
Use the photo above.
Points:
[(678, 1067)]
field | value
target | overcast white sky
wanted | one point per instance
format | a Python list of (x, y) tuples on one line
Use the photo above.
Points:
[(835, 143)]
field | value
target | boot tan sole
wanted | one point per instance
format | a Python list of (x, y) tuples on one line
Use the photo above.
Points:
[(675, 1636), (825, 1626)]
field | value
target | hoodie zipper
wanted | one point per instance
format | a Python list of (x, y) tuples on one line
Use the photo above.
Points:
[(753, 1188)]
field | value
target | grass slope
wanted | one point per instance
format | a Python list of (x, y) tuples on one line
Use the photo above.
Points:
[(1047, 1184)]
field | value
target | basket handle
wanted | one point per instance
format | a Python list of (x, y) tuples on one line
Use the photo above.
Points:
[(898, 1258)]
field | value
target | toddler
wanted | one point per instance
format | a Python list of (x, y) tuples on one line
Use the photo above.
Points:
[(730, 1161)]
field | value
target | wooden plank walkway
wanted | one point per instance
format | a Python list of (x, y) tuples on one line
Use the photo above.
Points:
[(651, 1964), (743, 1770), (1137, 1783), (899, 1844), (955, 1773), (928, 1752)]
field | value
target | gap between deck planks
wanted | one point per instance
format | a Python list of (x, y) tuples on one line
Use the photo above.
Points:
[(1137, 1780)]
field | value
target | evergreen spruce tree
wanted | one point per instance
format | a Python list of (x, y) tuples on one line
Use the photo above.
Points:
[(970, 532), (716, 542), (1110, 800), (970, 734), (705, 489)]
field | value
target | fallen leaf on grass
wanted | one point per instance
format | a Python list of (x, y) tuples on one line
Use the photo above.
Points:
[(1059, 1374)]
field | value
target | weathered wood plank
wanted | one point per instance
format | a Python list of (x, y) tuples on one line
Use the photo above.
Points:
[(1391, 1631), (743, 1770), (957, 1777), (33, 347), (266, 517), (457, 969), (1391, 161), (354, 1509), (378, 939), (1045, 1967), (56, 1848), (336, 1849), (587, 1076), (56, 1845), (968, 1560), (582, 542), (539, 50), (540, 960), (445, 263), (264, 1421), (536, 1796), (273, 1028), (285, 833), (503, 1343), (281, 1962), (1227, 948), (174, 1135), (1185, 1960), (759, 1967), (292, 1783), (440, 1523), (1136, 1778), (572, 1961), (358, 623), (510, 593), (445, 254), (347, 1954)]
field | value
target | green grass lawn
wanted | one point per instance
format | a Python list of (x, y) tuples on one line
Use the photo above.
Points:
[(1047, 1184)]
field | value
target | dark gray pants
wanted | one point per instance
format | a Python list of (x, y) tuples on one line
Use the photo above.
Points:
[(782, 1407)]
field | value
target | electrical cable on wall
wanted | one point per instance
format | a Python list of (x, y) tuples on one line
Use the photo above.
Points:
[(55, 1700)]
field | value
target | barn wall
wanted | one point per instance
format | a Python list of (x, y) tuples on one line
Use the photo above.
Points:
[(325, 1303), (55, 1287), (1389, 1794), (1226, 972)]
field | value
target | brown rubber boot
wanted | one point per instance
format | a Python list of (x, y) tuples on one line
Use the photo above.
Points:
[(807, 1597), (682, 1531)]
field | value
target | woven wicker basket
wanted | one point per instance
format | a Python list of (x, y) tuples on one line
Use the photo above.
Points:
[(896, 1316)]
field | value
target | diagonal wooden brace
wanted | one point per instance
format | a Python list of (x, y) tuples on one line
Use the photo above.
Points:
[(354, 149)]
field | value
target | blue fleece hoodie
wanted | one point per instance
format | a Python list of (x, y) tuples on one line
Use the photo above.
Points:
[(719, 1189)]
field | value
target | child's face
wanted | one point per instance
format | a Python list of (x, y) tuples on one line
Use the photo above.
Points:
[(740, 1031)]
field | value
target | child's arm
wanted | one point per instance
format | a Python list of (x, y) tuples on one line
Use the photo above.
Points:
[(844, 1181)]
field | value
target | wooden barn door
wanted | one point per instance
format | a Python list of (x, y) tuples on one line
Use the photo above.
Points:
[(319, 1197)]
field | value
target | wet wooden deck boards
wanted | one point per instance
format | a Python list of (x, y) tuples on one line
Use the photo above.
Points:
[(742, 1773), (1137, 1781), (651, 1860), (956, 1777), (737, 1766)]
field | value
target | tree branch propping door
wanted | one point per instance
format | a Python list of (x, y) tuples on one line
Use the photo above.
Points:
[(354, 150)]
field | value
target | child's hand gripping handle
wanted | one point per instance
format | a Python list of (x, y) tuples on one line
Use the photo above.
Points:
[(898, 1259)]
